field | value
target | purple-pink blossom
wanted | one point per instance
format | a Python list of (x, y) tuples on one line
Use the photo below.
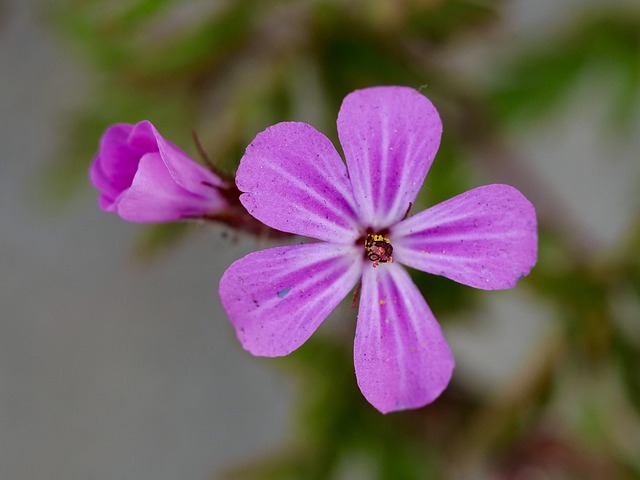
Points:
[(144, 178), (294, 180)]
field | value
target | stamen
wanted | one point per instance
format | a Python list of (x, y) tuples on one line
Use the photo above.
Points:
[(354, 300), (406, 214), (378, 249)]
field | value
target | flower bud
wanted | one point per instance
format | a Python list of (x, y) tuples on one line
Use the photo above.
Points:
[(144, 178)]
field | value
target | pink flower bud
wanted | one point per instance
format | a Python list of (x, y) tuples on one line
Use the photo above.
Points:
[(144, 178)]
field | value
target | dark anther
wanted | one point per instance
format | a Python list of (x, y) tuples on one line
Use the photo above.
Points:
[(378, 249)]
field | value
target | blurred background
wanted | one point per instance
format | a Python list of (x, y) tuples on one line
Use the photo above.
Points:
[(116, 359)]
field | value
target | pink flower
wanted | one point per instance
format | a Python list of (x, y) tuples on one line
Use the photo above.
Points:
[(144, 178), (294, 180)]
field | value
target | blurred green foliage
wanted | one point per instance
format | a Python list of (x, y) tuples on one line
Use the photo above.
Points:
[(228, 69), (602, 43)]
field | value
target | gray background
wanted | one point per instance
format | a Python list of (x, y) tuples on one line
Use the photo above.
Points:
[(110, 369)]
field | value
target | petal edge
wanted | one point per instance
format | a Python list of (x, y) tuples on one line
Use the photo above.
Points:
[(390, 136), (295, 181), (485, 238), (276, 298), (401, 357)]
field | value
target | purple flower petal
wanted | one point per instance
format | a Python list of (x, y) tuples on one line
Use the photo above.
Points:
[(485, 238), (121, 148), (183, 169), (389, 136), (154, 196), (277, 298), (296, 182), (402, 360)]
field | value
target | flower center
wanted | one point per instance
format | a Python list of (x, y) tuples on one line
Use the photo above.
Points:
[(378, 249)]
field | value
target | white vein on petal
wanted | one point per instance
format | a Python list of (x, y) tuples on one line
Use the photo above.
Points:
[(343, 188), (314, 194), (361, 164), (381, 206), (395, 303), (327, 201), (406, 306), (408, 256), (346, 236), (338, 264), (408, 191)]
